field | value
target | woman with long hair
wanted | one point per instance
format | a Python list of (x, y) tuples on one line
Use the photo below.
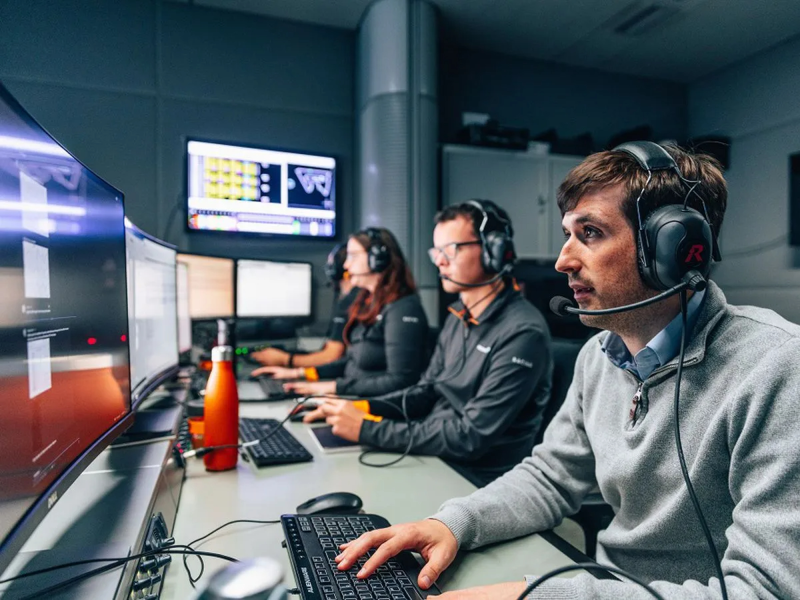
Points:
[(386, 331)]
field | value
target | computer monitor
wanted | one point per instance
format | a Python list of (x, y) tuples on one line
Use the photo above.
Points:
[(210, 286), (63, 322), (152, 311), (184, 319), (272, 289), (247, 190)]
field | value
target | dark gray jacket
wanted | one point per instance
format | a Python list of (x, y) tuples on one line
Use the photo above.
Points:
[(479, 404), (383, 357)]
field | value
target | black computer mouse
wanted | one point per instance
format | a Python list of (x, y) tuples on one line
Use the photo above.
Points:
[(335, 503)]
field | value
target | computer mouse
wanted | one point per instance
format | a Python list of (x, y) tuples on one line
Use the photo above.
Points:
[(335, 503)]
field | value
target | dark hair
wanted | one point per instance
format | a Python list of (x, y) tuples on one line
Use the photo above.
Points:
[(614, 167), (473, 213), (396, 282)]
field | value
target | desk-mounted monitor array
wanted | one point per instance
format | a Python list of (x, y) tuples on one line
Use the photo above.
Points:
[(64, 370)]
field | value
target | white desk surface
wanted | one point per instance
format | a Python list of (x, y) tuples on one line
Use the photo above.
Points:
[(410, 490)]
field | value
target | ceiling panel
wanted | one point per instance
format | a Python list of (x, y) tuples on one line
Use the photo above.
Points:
[(704, 36)]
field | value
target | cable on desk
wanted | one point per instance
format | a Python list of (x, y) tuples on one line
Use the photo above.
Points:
[(77, 563), (192, 579), (587, 567), (118, 562)]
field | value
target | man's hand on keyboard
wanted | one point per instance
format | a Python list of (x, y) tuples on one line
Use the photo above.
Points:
[(278, 372), (431, 538), (500, 591)]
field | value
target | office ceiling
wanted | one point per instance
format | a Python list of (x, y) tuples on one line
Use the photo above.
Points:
[(678, 40)]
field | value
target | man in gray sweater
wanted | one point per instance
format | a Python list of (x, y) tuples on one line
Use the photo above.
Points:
[(738, 421)]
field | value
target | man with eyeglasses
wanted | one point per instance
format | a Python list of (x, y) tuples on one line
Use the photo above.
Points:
[(479, 404)]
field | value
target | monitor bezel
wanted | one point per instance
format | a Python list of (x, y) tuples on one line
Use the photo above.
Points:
[(41, 507), (143, 390), (253, 234)]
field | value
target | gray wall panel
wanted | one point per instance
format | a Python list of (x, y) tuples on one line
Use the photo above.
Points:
[(233, 57), (80, 42), (755, 103)]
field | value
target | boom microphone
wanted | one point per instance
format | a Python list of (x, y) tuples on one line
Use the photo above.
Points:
[(692, 280)]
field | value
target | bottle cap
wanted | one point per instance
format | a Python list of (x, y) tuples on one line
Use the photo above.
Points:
[(221, 353)]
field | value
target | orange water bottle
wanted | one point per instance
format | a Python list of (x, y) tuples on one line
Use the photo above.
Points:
[(221, 412)]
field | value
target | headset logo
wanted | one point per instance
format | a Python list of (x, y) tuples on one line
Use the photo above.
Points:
[(695, 252)]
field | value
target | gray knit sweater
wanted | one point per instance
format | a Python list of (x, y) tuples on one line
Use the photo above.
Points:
[(740, 428)]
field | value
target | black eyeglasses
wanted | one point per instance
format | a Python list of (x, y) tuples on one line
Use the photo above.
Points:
[(450, 251)]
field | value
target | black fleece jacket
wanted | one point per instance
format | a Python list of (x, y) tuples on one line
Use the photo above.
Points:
[(479, 404)]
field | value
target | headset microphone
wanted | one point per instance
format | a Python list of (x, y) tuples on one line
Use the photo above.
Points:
[(692, 280)]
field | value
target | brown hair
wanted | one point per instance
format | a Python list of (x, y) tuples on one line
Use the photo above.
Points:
[(615, 167), (396, 282), (473, 213)]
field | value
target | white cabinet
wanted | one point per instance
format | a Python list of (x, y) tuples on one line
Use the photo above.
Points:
[(523, 183)]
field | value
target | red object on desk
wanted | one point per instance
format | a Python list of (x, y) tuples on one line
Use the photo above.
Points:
[(221, 412)]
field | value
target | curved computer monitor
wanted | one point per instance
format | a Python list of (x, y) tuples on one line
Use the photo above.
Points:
[(152, 311), (64, 376)]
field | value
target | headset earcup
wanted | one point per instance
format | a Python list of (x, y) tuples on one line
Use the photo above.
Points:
[(680, 240), (498, 252), (378, 258)]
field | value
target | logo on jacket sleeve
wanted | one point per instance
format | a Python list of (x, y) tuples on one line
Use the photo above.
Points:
[(521, 361)]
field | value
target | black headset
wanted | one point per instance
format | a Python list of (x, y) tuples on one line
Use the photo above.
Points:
[(497, 244), (378, 256), (674, 238), (334, 266)]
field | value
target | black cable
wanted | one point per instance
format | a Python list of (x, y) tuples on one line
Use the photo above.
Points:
[(77, 563), (173, 211), (110, 567), (404, 408), (587, 567), (192, 579), (684, 470)]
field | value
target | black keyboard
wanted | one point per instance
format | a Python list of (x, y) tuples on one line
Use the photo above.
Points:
[(313, 542), (280, 448)]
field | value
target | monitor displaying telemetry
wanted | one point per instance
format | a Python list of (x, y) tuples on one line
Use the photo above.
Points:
[(210, 286), (63, 322), (243, 189), (152, 310), (272, 289)]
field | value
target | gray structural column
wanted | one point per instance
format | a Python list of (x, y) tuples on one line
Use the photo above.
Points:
[(396, 129)]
